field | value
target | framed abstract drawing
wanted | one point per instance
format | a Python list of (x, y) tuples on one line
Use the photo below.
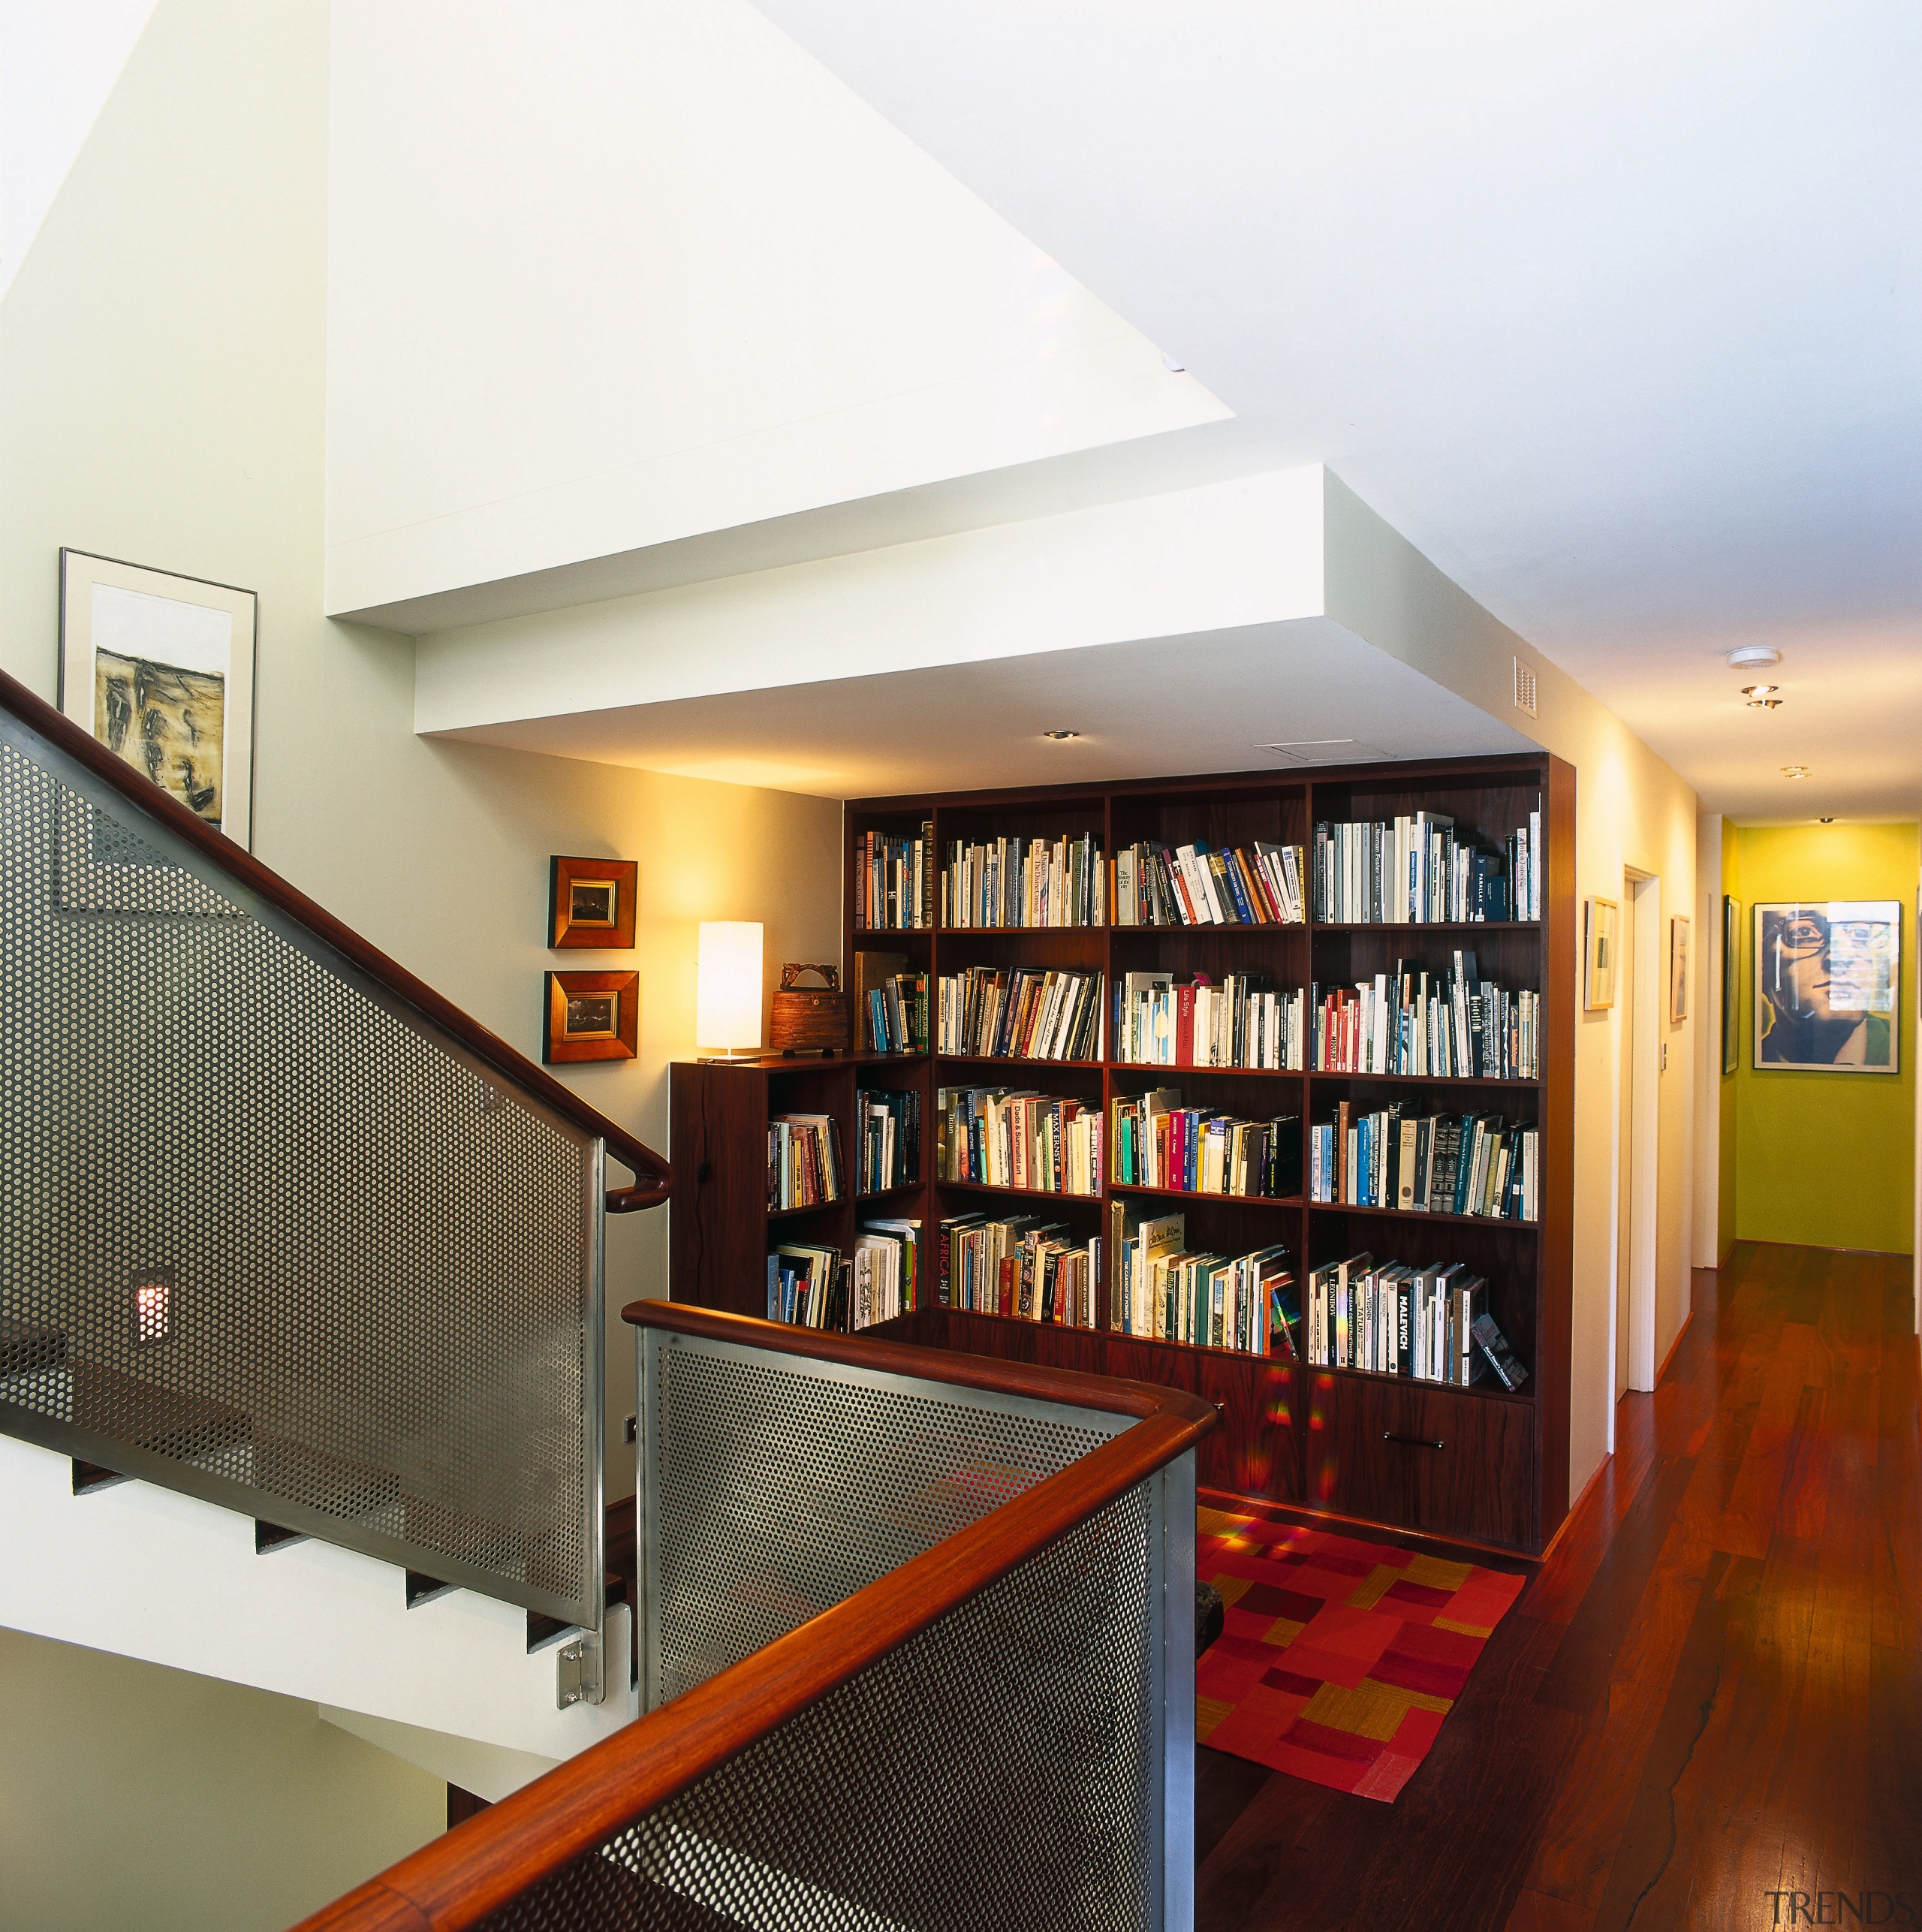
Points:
[(591, 903), (1731, 984), (1827, 976), (591, 1016), (159, 668), (1598, 964), (1678, 969)]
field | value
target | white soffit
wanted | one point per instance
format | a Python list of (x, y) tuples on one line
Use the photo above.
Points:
[(1206, 703), (604, 279), (1616, 313)]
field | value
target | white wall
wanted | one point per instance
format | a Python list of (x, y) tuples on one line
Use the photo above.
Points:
[(163, 352), (604, 276), (1631, 810), (135, 1796)]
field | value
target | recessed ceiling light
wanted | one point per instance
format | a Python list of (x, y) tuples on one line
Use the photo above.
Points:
[(1765, 704), (1754, 657), (1829, 821), (1759, 690), (1795, 771), (1058, 736)]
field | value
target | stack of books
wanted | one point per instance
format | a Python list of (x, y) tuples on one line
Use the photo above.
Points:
[(886, 1254), (1243, 1022), (1258, 885), (1006, 1138), (893, 881), (1431, 1322), (1020, 1013), (1019, 1265), (1159, 1142), (1413, 870), (1165, 1292), (1438, 1164), (804, 1162), (897, 1012), (1025, 882), (891, 1138), (1447, 1025), (808, 1287)]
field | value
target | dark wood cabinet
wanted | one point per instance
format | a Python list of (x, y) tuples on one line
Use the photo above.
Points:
[(1331, 1440)]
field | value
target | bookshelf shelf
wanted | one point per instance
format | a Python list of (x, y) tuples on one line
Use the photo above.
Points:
[(1425, 1215), (812, 1207), (1331, 1439)]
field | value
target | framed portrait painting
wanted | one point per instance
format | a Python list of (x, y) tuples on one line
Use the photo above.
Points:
[(1731, 984), (159, 669), (1678, 969), (1598, 955), (1827, 976)]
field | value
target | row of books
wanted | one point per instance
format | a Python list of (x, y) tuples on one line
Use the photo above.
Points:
[(1049, 1142), (1019, 1265), (1025, 882), (804, 1162), (1159, 1142), (1164, 1291), (891, 1138), (1413, 869), (1441, 1164), (897, 1014), (1448, 1026), (1257, 884), (810, 1286), (1243, 1021), (1431, 1322), (893, 880), (1020, 1013)]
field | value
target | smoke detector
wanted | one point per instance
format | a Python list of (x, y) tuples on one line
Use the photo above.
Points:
[(1754, 657)]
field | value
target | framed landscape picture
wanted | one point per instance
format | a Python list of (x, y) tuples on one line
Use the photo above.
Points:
[(1827, 976), (591, 1016), (1678, 969), (159, 669), (1731, 984), (590, 902)]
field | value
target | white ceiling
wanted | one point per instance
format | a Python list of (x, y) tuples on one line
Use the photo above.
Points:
[(1617, 313), (1308, 685)]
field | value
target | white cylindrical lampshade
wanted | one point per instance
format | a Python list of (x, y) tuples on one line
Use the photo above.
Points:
[(727, 1008)]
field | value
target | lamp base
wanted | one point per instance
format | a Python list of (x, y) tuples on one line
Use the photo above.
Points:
[(747, 1056)]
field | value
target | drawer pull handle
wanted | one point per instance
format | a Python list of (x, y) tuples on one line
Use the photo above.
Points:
[(1413, 1441)]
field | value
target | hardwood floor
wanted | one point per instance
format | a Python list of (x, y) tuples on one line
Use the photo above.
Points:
[(1706, 1709)]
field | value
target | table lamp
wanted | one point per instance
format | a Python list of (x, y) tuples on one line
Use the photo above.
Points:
[(726, 1009)]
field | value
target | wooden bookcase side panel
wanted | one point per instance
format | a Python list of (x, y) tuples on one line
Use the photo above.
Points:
[(1289, 1434)]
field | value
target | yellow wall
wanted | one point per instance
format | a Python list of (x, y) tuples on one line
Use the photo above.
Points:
[(1827, 1160), (162, 400), (137, 1796)]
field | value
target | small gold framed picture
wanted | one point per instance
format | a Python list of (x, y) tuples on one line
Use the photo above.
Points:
[(1604, 927), (591, 1016), (590, 903)]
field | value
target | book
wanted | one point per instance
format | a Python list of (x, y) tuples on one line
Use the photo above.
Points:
[(1421, 868), (1195, 884), (1495, 1351), (1000, 1137), (1004, 882), (891, 877), (804, 1162), (889, 1154), (1158, 1143), (1446, 1025), (1021, 1013)]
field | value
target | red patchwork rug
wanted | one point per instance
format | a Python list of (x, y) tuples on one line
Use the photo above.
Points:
[(1340, 1658)]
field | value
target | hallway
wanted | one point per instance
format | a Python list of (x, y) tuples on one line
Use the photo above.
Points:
[(1711, 1692)]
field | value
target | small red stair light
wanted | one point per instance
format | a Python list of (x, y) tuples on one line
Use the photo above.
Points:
[(153, 1295)]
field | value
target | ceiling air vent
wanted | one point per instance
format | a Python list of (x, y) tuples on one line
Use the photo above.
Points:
[(1524, 688)]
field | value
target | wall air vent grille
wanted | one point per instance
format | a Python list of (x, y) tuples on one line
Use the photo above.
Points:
[(1524, 688)]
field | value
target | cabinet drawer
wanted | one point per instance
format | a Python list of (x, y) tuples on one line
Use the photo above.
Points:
[(1440, 1460)]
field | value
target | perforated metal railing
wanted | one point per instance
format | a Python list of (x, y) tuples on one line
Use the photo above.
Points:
[(268, 1233), (918, 1637)]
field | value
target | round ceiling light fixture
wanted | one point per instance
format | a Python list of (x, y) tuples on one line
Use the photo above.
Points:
[(1829, 821), (1795, 771), (1765, 704), (1060, 737), (1759, 690), (1753, 657)]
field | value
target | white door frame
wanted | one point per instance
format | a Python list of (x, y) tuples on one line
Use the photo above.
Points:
[(1637, 1031)]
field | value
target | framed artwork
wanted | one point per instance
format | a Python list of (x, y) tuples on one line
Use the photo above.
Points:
[(590, 902), (1678, 969), (1827, 974), (1731, 984), (591, 1016), (160, 670), (1603, 930)]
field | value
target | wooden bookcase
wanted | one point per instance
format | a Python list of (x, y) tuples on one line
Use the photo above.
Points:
[(1476, 1463)]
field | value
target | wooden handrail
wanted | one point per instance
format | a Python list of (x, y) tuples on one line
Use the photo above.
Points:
[(653, 1177), (479, 1866)]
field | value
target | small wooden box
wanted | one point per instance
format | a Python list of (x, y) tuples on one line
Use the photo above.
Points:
[(806, 1019)]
